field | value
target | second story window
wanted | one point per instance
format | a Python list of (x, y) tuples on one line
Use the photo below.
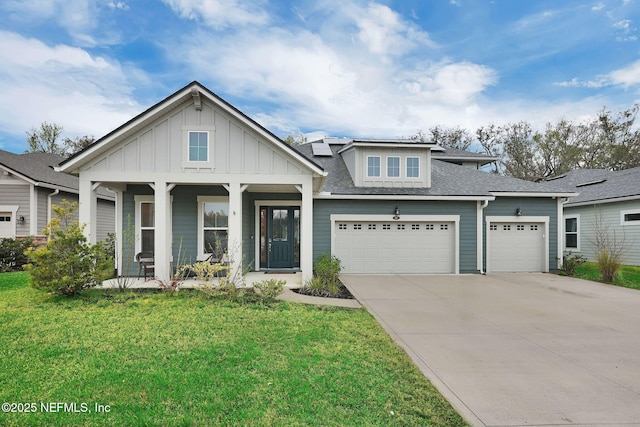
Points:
[(198, 146), (393, 167), (373, 166), (413, 167)]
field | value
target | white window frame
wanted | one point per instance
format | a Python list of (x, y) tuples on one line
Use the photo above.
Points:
[(399, 167), (577, 232), (379, 167), (407, 167), (201, 201), (139, 200), (189, 159), (190, 164), (627, 212)]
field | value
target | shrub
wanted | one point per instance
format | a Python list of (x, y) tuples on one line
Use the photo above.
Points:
[(12, 253), (571, 262), (327, 269), (608, 263), (270, 289), (68, 264)]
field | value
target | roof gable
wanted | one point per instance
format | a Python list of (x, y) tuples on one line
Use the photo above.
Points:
[(38, 168)]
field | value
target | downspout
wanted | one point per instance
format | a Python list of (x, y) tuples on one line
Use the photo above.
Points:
[(480, 218), (49, 203)]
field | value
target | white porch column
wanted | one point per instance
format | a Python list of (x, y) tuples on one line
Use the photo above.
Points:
[(119, 226), (306, 231), (235, 226), (88, 209), (163, 234)]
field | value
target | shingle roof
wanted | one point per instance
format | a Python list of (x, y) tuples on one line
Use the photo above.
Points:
[(600, 184), (446, 180), (38, 167)]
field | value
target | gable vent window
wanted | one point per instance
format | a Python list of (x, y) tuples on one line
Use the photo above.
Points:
[(198, 146)]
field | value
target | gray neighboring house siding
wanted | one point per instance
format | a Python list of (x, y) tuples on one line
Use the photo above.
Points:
[(323, 209)]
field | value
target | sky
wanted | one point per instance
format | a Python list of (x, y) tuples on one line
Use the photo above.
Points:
[(342, 68)]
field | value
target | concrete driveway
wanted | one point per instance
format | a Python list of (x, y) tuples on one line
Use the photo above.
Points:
[(517, 349)]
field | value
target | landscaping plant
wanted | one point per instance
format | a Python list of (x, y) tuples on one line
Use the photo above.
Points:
[(570, 262), (68, 263), (12, 253), (270, 289)]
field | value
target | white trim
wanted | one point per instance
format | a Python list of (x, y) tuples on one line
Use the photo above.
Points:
[(564, 233), (398, 197), (629, 211), (210, 130), (266, 203), (33, 211), (14, 214), (138, 200), (201, 256), (531, 194), (481, 205), (399, 167), (601, 202), (559, 228), (403, 219), (379, 167), (515, 220)]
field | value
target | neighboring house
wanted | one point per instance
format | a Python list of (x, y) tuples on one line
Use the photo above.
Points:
[(609, 201), (29, 186), (197, 176)]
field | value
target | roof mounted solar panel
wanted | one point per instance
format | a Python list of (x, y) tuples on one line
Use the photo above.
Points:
[(321, 149)]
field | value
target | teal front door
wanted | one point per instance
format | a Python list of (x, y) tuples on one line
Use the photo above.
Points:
[(280, 237)]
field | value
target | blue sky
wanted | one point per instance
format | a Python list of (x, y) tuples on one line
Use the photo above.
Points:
[(336, 67)]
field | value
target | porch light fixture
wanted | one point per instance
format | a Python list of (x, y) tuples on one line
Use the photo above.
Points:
[(396, 213), (518, 212), (21, 219)]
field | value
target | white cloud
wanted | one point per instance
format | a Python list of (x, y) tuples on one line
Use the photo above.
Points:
[(113, 5), (627, 76), (598, 7), (64, 85), (221, 13)]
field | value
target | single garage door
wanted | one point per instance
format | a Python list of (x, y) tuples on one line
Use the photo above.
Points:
[(516, 247), (395, 247), (6, 225)]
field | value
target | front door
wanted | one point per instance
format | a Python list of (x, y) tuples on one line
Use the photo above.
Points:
[(279, 237)]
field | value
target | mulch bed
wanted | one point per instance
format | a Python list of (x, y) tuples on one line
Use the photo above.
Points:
[(343, 294)]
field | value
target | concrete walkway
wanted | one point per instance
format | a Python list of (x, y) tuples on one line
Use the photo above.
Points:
[(517, 349)]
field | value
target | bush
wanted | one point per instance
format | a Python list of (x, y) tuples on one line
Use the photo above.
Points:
[(68, 264), (608, 263), (571, 262), (327, 269), (270, 289), (12, 253)]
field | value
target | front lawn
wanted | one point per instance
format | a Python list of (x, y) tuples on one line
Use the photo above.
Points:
[(628, 276), (158, 360)]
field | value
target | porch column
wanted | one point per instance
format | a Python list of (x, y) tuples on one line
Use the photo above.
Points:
[(162, 235), (306, 231), (88, 208), (120, 252), (234, 243)]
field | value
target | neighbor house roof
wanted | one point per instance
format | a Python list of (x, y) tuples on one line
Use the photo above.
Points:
[(447, 179), (600, 185), (37, 168)]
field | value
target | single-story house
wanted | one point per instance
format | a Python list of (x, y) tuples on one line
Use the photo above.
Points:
[(29, 186), (607, 200), (197, 176)]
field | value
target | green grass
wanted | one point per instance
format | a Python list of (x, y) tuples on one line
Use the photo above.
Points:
[(158, 360), (628, 276)]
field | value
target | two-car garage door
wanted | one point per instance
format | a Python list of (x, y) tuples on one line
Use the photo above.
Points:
[(396, 246)]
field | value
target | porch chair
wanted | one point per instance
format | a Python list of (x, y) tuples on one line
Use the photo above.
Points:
[(146, 264)]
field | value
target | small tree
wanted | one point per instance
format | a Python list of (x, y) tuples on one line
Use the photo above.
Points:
[(68, 264), (609, 248)]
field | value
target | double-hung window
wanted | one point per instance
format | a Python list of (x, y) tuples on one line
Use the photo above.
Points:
[(571, 230), (213, 226), (373, 166), (393, 167), (198, 146), (145, 223), (413, 167)]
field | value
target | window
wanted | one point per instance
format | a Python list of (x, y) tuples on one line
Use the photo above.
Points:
[(631, 217), (413, 167), (571, 227), (393, 167), (373, 166), (145, 223), (198, 146), (213, 226)]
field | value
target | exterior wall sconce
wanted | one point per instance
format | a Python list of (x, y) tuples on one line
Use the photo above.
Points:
[(518, 212), (21, 219), (396, 213)]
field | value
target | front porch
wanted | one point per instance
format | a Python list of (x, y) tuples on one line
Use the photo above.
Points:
[(294, 280)]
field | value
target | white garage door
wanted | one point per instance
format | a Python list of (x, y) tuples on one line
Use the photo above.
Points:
[(516, 247), (395, 247), (6, 225)]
